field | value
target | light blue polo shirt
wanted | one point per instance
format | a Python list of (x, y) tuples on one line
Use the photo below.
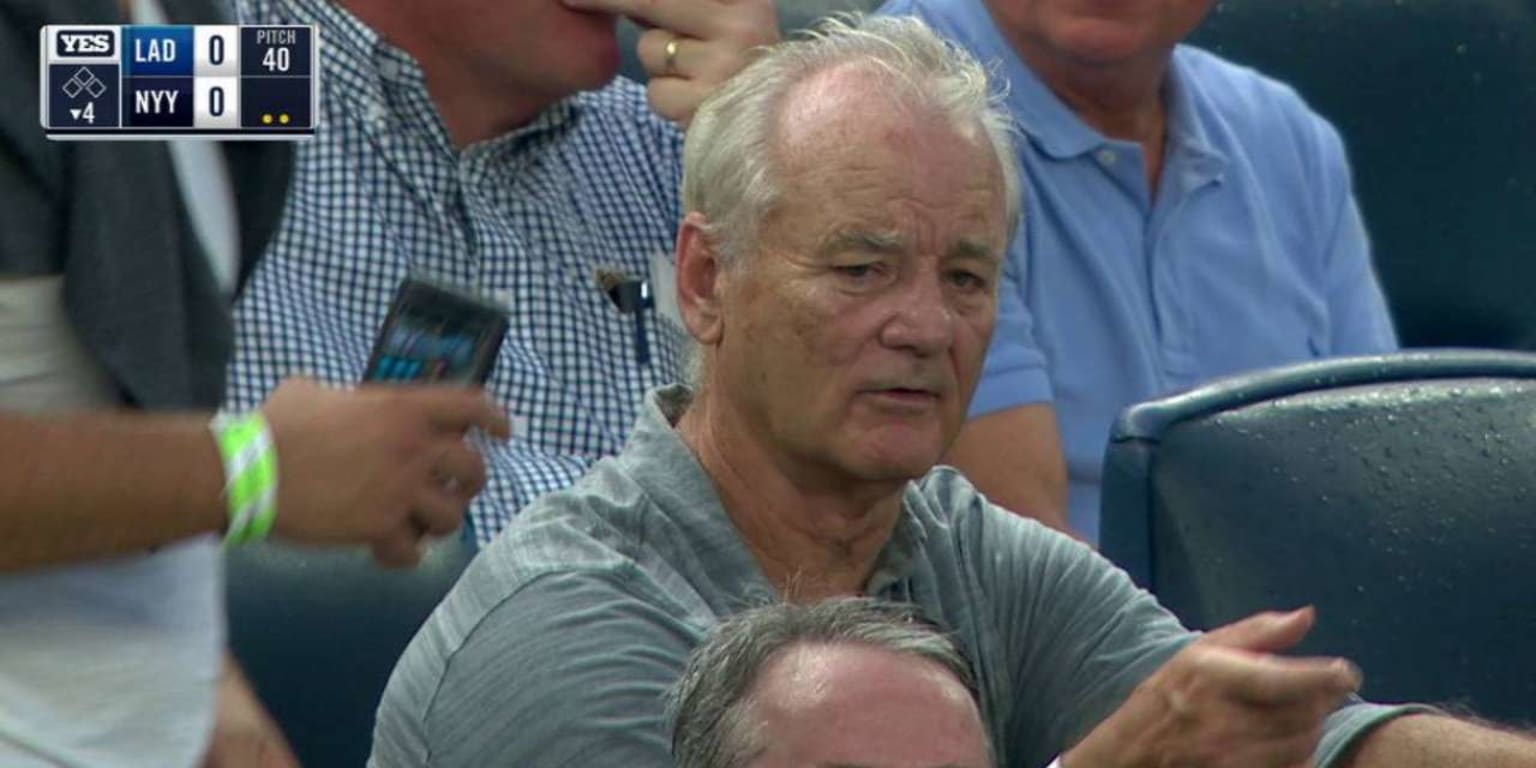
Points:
[(1251, 254)]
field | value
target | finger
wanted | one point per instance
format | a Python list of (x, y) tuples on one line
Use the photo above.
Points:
[(691, 18), (675, 98), (651, 49), (300, 382), (1276, 680), (1269, 632), (438, 511), (462, 469), (401, 549), (457, 410)]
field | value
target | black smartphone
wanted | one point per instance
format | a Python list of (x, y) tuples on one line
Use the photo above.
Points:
[(437, 333)]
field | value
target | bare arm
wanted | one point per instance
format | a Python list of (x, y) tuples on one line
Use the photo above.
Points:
[(244, 734), (1014, 457), (1422, 741), (90, 485), (381, 466)]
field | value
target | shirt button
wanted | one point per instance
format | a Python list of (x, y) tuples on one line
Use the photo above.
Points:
[(1107, 157)]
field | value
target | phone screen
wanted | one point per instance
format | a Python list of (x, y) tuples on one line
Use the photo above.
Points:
[(435, 333)]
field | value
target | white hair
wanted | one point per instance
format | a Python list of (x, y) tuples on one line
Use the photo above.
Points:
[(729, 174), (728, 169)]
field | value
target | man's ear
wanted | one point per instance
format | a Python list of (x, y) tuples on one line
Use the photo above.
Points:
[(700, 281)]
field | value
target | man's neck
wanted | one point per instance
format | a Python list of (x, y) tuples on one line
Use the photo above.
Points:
[(468, 114), (473, 105), (1124, 102), (813, 537)]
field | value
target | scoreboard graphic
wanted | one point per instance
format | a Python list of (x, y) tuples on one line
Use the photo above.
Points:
[(158, 82)]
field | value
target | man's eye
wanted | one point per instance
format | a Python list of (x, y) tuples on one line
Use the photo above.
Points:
[(967, 280), (856, 270)]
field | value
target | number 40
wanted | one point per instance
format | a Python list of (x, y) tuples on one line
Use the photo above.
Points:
[(276, 59)]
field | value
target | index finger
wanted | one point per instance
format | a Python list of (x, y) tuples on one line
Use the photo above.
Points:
[(690, 18), (458, 409), (1271, 680)]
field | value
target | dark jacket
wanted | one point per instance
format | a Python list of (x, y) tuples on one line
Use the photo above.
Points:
[(109, 216)]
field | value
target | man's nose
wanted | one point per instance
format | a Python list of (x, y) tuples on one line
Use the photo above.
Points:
[(921, 319)]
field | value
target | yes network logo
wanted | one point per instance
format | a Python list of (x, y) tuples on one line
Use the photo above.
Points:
[(84, 42)]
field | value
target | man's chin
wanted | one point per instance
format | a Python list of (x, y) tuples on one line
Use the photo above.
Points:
[(897, 463), (598, 41), (1103, 42)]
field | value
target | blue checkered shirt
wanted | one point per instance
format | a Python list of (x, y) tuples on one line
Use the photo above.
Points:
[(531, 216)]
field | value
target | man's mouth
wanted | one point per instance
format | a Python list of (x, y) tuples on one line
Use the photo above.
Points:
[(908, 397)]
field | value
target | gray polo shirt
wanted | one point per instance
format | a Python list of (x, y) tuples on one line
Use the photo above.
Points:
[(555, 647)]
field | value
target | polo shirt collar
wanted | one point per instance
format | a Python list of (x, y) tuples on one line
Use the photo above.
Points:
[(1049, 123), (658, 460), (1058, 131), (1187, 129)]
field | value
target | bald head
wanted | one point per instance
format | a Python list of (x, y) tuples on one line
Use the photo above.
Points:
[(847, 704), (846, 683)]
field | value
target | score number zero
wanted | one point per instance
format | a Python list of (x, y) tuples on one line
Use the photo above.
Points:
[(278, 59)]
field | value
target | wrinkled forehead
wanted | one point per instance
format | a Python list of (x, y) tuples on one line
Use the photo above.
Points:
[(857, 105), (901, 190), (848, 704)]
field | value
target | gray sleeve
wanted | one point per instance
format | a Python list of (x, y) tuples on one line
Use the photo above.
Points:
[(1351, 722), (1086, 636), (568, 672)]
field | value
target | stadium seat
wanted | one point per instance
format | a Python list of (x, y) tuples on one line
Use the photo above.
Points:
[(318, 633), (1436, 100), (1393, 492)]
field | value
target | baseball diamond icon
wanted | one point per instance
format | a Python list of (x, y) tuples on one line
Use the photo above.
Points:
[(87, 81), (82, 97)]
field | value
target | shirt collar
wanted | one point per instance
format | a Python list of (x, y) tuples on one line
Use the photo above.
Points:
[(658, 460), (1187, 130)]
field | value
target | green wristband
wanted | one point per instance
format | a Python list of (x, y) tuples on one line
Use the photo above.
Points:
[(250, 475)]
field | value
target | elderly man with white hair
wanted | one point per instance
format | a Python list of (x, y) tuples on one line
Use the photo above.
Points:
[(850, 201)]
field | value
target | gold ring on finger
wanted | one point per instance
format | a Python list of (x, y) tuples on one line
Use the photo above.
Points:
[(669, 59)]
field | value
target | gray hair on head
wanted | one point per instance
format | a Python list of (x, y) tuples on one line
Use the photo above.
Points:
[(710, 705), (727, 159)]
